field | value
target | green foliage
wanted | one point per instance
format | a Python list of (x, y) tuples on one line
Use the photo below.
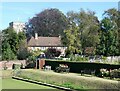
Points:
[(104, 58), (23, 53), (108, 40), (89, 29), (17, 66), (34, 54), (81, 59), (85, 28), (73, 40), (7, 53), (115, 73), (31, 58), (82, 32), (104, 73), (112, 73), (11, 44), (78, 58)]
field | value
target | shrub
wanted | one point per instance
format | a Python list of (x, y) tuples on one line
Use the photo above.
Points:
[(104, 58), (52, 52), (17, 66), (115, 73), (104, 73), (78, 58), (5, 68)]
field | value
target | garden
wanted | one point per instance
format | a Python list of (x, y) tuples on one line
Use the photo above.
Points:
[(70, 80), (63, 74), (8, 83)]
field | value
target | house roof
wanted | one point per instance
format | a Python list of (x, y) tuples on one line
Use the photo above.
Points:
[(45, 42)]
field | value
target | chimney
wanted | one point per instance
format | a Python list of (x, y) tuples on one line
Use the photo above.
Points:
[(36, 35)]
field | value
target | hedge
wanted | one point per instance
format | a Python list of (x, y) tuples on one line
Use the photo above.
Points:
[(76, 67)]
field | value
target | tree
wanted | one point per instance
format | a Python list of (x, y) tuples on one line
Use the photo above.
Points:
[(83, 30), (52, 52), (108, 41), (73, 40), (7, 53), (22, 52), (11, 43), (114, 15), (50, 22), (89, 29), (12, 39)]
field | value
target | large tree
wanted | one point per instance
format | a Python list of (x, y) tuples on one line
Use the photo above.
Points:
[(12, 39), (11, 43), (7, 53), (73, 40), (49, 22), (87, 29), (109, 40)]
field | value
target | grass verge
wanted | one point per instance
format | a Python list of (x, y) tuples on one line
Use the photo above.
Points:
[(68, 80)]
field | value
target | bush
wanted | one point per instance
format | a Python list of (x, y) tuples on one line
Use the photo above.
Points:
[(5, 68), (104, 73), (78, 58), (115, 73), (104, 58), (112, 73), (82, 59), (17, 66), (23, 53), (52, 52)]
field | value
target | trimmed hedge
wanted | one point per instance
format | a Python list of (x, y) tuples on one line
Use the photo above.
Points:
[(76, 67)]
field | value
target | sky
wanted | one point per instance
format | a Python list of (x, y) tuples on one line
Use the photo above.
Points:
[(23, 11)]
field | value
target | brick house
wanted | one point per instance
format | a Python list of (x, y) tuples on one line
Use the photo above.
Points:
[(43, 43)]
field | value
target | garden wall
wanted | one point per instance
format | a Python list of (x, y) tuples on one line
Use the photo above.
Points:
[(9, 64), (76, 67)]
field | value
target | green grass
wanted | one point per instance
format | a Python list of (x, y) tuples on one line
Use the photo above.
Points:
[(10, 83), (6, 73), (70, 80), (6, 82)]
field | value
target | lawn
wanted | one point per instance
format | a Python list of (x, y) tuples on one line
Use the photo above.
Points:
[(71, 80), (10, 83), (6, 82)]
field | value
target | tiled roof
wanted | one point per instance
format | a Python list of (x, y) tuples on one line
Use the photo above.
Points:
[(45, 42)]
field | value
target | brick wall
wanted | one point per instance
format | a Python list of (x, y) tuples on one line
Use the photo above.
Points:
[(10, 63)]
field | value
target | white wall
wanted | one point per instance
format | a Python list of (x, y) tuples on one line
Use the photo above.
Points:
[(62, 49)]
